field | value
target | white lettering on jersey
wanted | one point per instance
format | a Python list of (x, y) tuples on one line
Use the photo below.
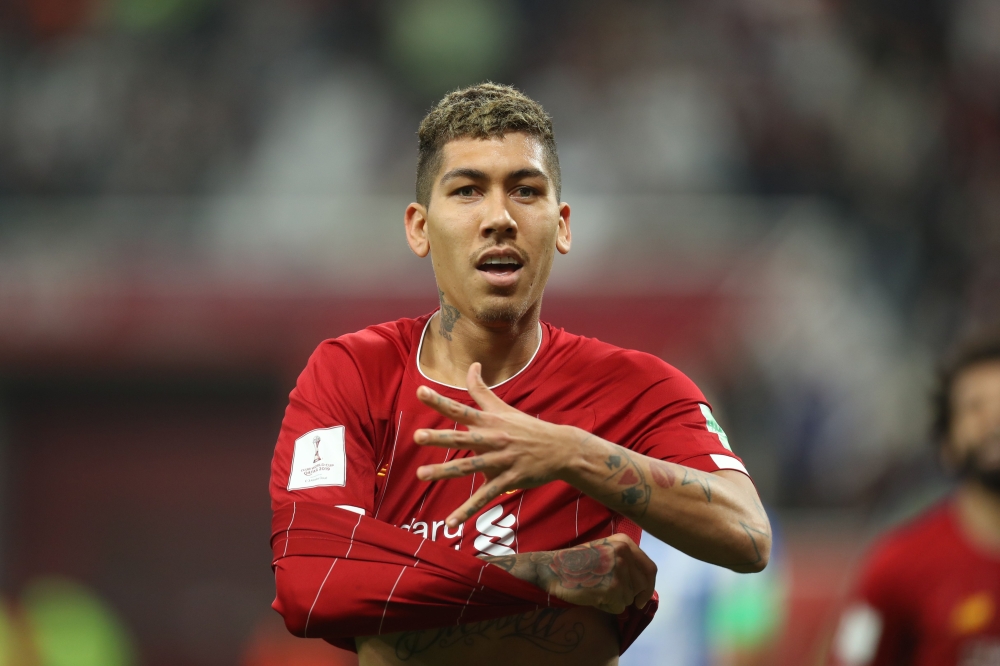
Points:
[(495, 535), (432, 529), (319, 459), (858, 635)]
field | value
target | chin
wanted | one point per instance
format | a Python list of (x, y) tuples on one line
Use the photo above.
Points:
[(502, 310)]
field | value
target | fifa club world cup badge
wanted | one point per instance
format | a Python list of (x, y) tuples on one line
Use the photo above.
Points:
[(319, 458)]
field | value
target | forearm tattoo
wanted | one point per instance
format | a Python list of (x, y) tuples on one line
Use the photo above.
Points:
[(691, 476), (631, 495), (544, 628), (631, 478), (631, 491)]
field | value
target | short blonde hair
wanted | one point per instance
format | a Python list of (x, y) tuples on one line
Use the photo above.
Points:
[(484, 111)]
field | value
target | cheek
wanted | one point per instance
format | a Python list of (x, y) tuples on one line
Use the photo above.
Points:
[(969, 429), (445, 246)]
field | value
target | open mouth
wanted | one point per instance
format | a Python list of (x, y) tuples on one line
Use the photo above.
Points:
[(499, 265)]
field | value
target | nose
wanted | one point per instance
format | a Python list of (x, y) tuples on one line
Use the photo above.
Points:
[(497, 222)]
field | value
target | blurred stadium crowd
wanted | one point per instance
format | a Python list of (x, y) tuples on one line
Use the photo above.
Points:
[(824, 174)]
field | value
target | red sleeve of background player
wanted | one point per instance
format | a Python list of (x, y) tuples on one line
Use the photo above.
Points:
[(676, 421), (873, 629), (325, 452)]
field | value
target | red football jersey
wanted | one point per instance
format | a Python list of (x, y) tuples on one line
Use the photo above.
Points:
[(925, 597), (347, 436)]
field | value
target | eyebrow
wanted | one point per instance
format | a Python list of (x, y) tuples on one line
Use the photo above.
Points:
[(473, 174), (527, 173), (476, 174)]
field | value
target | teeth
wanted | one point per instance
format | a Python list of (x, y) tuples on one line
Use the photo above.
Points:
[(501, 260)]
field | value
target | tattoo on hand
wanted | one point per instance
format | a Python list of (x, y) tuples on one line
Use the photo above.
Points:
[(543, 628), (585, 566), (614, 462), (690, 476), (449, 315), (589, 565)]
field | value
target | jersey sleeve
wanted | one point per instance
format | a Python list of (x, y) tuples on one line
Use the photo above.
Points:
[(678, 426), (325, 451)]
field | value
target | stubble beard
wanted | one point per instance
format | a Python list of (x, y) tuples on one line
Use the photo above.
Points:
[(504, 306), (981, 465), (504, 311)]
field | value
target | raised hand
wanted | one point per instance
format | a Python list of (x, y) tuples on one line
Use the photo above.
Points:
[(515, 450), (609, 574)]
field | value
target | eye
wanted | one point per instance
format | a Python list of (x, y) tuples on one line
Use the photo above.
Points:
[(466, 191), (524, 191)]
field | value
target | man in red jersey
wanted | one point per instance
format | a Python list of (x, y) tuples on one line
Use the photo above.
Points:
[(929, 592), (411, 448)]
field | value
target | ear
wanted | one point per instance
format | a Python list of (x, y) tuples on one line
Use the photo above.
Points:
[(564, 236), (415, 220)]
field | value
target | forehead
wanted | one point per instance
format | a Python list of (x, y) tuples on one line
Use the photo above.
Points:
[(981, 380), (496, 156)]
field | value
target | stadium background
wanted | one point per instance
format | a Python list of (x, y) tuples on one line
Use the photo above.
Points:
[(797, 202)]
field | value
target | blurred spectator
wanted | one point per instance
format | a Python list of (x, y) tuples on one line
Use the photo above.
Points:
[(929, 592)]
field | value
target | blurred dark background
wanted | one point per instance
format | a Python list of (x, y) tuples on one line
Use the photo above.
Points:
[(797, 202)]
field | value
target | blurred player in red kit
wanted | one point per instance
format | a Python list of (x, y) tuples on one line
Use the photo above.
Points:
[(469, 486), (929, 591)]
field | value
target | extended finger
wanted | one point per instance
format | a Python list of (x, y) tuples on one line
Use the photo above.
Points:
[(480, 498), (478, 441), (447, 407), (459, 467), (480, 392)]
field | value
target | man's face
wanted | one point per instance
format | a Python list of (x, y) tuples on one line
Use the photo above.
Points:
[(492, 226), (974, 438)]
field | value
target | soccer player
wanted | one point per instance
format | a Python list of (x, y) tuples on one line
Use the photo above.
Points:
[(929, 591), (480, 431)]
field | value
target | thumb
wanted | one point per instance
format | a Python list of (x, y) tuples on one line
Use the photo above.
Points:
[(480, 392), (643, 598)]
